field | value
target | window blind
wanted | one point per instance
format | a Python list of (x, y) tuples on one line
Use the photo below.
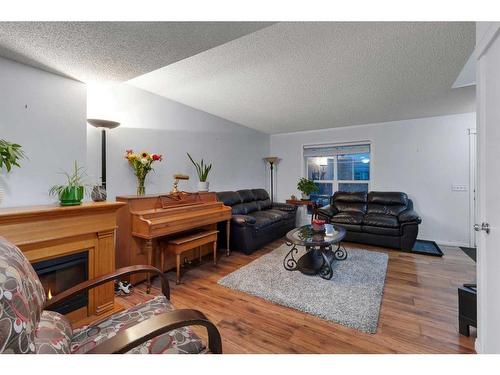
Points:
[(335, 150)]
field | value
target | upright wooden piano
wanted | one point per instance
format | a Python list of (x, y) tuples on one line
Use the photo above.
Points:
[(145, 222)]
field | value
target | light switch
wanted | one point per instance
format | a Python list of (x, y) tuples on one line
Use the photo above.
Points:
[(459, 188)]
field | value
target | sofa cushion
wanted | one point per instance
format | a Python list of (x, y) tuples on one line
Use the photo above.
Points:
[(246, 195), (21, 300), (260, 194), (284, 214), (179, 341), (349, 197), (381, 230), (327, 211), (376, 220), (409, 215), (53, 334), (351, 207), (244, 208), (387, 203), (274, 215), (388, 198), (347, 218), (242, 220), (352, 227), (264, 204), (263, 222), (229, 198), (379, 209)]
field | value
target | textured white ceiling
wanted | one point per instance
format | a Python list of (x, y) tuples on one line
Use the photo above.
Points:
[(112, 51), (311, 75)]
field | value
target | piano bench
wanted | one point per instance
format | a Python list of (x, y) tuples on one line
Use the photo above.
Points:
[(180, 245)]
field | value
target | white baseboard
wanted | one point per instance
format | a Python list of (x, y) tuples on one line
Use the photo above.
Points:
[(478, 347)]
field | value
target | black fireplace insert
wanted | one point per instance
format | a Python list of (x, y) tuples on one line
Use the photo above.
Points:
[(60, 274)]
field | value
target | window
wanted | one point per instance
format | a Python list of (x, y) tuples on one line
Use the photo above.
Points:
[(337, 168)]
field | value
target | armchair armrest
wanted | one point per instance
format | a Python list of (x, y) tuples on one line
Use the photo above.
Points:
[(121, 272), (242, 220), (409, 216), (284, 207), (328, 211), (157, 325)]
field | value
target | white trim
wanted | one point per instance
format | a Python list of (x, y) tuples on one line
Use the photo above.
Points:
[(478, 346), (481, 268), (472, 186)]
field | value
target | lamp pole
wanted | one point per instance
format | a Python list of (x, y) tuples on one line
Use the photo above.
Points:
[(272, 160), (103, 124), (103, 158)]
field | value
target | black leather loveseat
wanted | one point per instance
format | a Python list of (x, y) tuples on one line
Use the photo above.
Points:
[(376, 218), (256, 221)]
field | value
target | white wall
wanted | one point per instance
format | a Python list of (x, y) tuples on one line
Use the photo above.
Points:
[(422, 157), (45, 113), (152, 123)]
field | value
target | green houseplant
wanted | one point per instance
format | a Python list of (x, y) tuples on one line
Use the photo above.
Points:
[(306, 187), (10, 154), (203, 170), (72, 193)]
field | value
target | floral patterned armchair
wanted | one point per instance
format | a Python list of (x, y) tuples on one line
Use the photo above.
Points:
[(28, 326)]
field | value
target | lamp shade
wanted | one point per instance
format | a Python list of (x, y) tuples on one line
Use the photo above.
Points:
[(99, 123), (271, 159)]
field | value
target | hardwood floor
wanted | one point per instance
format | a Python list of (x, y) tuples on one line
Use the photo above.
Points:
[(418, 313)]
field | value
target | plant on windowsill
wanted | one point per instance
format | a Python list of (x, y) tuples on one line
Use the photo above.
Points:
[(203, 170), (10, 154), (72, 193), (306, 187)]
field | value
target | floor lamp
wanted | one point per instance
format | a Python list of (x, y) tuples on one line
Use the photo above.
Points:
[(103, 125), (272, 160)]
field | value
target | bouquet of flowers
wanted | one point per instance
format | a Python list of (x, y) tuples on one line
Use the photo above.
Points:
[(142, 164)]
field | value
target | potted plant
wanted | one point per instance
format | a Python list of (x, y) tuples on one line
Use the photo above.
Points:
[(306, 187), (72, 193), (142, 164), (203, 170), (10, 154)]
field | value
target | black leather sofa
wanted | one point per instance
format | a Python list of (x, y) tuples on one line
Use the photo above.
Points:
[(376, 218), (256, 221)]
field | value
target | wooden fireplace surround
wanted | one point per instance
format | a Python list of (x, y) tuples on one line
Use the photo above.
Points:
[(51, 231)]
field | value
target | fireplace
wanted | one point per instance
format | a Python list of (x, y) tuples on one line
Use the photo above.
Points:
[(61, 273)]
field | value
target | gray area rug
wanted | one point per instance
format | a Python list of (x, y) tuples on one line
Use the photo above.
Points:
[(351, 298)]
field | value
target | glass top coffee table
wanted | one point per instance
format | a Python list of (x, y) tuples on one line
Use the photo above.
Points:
[(322, 248)]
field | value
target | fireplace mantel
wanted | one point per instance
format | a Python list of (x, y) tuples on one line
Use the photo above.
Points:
[(51, 231)]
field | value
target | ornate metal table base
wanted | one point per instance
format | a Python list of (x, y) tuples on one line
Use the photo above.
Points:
[(316, 260)]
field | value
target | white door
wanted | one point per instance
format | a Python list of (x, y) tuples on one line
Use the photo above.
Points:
[(488, 136)]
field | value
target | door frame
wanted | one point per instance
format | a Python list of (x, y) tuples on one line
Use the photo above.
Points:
[(472, 185), (482, 46)]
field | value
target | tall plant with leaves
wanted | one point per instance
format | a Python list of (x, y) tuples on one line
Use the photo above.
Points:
[(10, 154), (201, 168), (75, 179)]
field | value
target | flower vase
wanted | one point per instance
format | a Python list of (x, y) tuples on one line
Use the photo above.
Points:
[(141, 189)]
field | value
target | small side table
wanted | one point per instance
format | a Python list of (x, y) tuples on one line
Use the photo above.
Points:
[(307, 203)]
